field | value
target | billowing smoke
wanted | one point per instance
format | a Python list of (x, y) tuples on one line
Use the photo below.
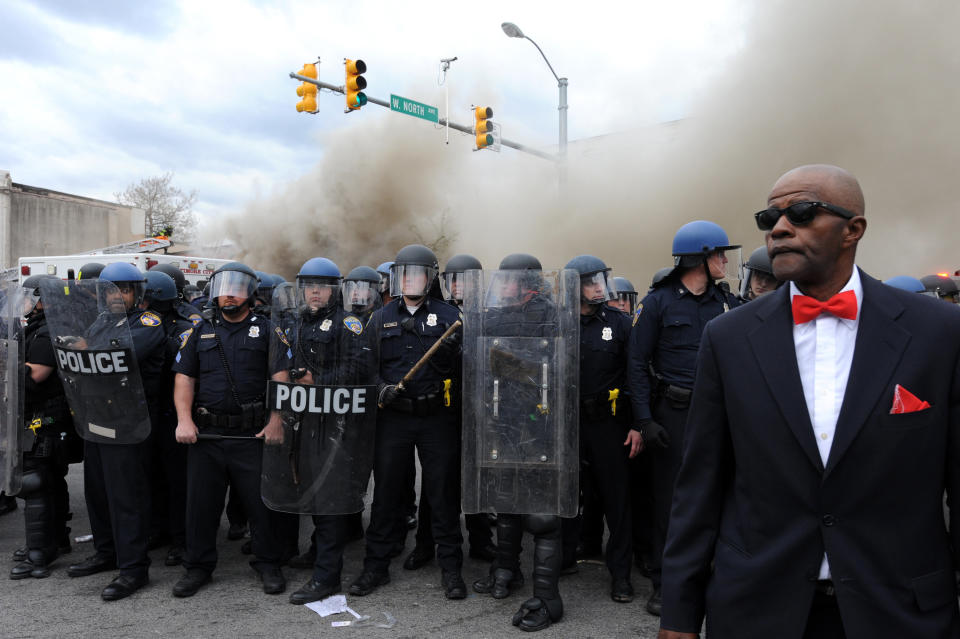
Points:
[(867, 85)]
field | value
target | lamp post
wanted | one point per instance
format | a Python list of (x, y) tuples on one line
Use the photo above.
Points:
[(514, 31)]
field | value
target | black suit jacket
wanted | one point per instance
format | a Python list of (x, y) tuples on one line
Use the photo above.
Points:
[(754, 498)]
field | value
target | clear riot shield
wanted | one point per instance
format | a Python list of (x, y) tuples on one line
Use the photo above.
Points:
[(520, 399), (11, 386), (328, 409), (96, 360)]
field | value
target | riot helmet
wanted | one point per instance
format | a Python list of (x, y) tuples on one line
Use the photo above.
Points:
[(596, 285), (161, 290), (232, 280), (264, 293), (705, 243), (943, 286), (519, 278), (384, 271), (179, 279), (117, 281), (758, 278), (31, 292), (451, 280), (660, 277), (361, 290), (626, 299), (90, 271), (190, 293), (413, 271), (318, 284)]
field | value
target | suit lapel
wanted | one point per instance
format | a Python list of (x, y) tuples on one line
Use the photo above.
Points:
[(772, 344), (879, 348)]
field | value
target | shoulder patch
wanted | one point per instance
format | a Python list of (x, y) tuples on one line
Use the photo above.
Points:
[(149, 318), (353, 324), (636, 316), (281, 336), (184, 336)]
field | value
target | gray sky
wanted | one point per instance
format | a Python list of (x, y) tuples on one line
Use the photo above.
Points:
[(96, 95)]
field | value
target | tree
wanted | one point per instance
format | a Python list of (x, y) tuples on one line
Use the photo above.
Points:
[(167, 209)]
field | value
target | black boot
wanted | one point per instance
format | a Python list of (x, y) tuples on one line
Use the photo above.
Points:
[(546, 606)]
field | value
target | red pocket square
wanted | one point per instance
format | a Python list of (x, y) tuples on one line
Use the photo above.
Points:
[(906, 402)]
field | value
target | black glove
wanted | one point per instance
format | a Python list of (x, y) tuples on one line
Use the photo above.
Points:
[(654, 434), (452, 342), (386, 393)]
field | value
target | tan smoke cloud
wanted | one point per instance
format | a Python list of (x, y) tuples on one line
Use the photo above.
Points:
[(867, 85)]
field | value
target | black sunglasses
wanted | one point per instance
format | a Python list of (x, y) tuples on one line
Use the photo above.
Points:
[(799, 214)]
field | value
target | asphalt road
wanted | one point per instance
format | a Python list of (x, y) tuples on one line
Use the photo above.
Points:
[(234, 605)]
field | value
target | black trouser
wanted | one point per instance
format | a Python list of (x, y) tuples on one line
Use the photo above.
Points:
[(210, 465), (168, 481), (329, 537), (436, 439), (479, 533), (601, 444), (591, 510), (665, 465), (641, 504), (117, 490)]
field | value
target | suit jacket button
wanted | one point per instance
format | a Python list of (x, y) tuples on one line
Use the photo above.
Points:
[(829, 520)]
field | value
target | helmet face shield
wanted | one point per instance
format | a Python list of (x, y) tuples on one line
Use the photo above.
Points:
[(452, 286), (359, 296), (757, 282), (235, 284), (412, 280), (317, 293), (511, 288), (597, 288), (725, 264), (30, 298), (626, 302), (118, 297)]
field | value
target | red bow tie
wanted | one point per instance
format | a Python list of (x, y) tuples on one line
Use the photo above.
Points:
[(842, 305)]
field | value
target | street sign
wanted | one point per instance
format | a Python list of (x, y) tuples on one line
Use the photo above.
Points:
[(414, 108)]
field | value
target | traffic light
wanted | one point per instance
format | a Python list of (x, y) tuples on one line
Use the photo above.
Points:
[(355, 84), (483, 126), (307, 91)]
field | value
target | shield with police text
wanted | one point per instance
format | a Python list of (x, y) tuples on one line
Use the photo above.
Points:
[(11, 386), (324, 361), (96, 360), (520, 399)]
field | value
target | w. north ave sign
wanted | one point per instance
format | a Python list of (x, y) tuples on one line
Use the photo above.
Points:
[(414, 108)]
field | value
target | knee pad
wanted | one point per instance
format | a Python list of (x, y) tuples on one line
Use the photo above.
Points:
[(34, 481), (542, 524)]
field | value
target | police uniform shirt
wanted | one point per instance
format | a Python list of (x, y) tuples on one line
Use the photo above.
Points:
[(149, 341), (667, 328), (330, 345), (188, 312), (604, 337), (38, 349), (404, 338), (246, 347)]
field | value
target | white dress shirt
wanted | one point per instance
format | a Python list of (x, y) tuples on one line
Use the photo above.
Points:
[(824, 348)]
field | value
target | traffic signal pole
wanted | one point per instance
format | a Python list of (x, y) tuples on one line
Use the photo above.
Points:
[(442, 121)]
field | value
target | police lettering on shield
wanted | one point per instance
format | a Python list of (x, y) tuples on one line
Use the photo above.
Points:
[(297, 398)]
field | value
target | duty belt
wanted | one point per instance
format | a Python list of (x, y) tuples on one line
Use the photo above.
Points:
[(421, 405), (251, 417)]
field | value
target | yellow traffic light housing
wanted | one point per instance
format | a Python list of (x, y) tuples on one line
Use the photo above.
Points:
[(483, 127), (355, 84), (307, 91)]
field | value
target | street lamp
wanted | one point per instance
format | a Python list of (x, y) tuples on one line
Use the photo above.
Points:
[(514, 31)]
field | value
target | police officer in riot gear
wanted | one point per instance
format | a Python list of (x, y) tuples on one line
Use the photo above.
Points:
[(221, 373), (524, 312), (116, 476), (90, 271), (384, 270), (758, 277), (662, 360), (626, 295), (360, 292), (51, 444), (181, 306), (479, 534), (606, 439), (421, 416), (169, 469)]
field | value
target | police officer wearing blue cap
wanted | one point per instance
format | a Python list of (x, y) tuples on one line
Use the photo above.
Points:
[(663, 348), (219, 391)]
